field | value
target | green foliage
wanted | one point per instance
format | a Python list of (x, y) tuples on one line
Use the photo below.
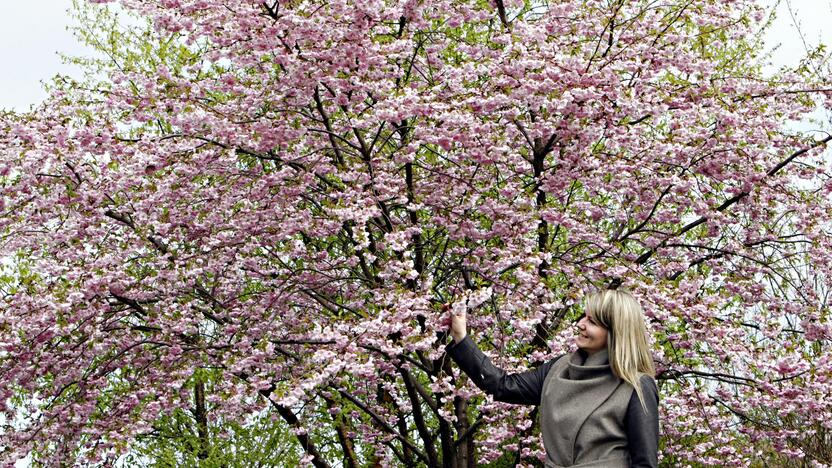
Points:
[(264, 441)]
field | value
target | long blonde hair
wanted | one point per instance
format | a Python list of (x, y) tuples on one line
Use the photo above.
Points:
[(622, 316)]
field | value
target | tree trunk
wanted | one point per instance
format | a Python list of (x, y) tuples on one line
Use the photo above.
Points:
[(201, 416)]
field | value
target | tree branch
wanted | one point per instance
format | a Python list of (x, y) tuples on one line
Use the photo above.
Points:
[(501, 12), (384, 425), (729, 202)]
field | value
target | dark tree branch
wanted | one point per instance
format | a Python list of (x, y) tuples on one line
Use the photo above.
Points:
[(289, 416), (201, 417), (729, 202), (421, 426), (501, 12), (350, 457), (649, 216), (122, 218), (384, 425), (733, 379), (303, 437), (132, 303), (319, 105)]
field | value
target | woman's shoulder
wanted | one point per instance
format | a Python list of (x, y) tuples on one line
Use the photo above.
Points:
[(648, 385), (548, 365), (646, 380), (559, 359)]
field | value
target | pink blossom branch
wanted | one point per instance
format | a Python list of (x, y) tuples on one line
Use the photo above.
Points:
[(727, 203)]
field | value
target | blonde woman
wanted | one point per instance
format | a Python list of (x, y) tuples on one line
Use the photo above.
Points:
[(598, 405)]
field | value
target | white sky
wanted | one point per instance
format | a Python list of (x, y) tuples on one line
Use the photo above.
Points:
[(32, 32), (788, 41)]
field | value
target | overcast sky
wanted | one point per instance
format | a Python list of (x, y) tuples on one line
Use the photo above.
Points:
[(33, 32)]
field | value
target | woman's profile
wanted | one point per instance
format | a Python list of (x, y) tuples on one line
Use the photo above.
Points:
[(598, 405)]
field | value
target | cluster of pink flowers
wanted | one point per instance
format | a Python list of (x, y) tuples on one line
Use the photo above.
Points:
[(293, 200)]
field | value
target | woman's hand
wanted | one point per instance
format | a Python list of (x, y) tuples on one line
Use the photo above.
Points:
[(458, 324)]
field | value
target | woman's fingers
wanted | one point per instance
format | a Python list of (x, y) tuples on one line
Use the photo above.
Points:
[(458, 323)]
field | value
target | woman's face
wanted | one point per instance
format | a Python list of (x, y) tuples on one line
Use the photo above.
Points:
[(592, 337)]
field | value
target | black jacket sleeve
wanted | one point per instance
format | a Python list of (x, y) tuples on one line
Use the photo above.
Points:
[(643, 428), (522, 388)]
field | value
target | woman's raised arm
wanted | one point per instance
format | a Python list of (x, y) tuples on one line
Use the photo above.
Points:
[(521, 388)]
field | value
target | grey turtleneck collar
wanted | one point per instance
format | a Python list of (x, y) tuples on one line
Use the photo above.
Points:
[(582, 410)]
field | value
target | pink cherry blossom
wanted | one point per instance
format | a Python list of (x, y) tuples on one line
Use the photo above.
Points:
[(292, 202)]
